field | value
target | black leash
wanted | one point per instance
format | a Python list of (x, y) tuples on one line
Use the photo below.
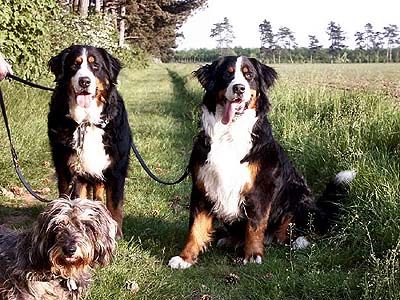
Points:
[(31, 84), (151, 174), (15, 156)]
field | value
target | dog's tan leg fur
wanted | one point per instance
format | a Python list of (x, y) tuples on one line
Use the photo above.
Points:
[(116, 211), (81, 190), (98, 192), (198, 237), (254, 237), (282, 232)]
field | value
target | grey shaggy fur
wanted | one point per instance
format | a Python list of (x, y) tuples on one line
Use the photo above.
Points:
[(54, 259)]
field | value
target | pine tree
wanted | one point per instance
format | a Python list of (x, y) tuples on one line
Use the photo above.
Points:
[(336, 36), (313, 46), (223, 34), (267, 39), (391, 34), (285, 40)]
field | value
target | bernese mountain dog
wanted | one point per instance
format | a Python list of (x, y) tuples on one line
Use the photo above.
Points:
[(241, 175), (88, 127)]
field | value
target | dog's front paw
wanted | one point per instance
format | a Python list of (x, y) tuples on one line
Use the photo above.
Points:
[(177, 262), (300, 243), (256, 259)]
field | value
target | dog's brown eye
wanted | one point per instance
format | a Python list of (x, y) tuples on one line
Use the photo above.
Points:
[(95, 66), (249, 76), (75, 66)]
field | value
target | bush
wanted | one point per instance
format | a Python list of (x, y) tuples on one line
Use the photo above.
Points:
[(25, 35), (32, 31)]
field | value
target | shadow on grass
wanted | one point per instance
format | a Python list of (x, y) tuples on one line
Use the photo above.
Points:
[(14, 216), (158, 235)]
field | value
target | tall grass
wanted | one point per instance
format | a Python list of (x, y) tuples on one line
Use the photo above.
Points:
[(350, 123)]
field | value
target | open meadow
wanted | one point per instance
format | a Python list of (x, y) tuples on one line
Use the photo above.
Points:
[(327, 117)]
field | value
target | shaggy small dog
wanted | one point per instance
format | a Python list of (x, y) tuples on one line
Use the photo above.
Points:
[(54, 259)]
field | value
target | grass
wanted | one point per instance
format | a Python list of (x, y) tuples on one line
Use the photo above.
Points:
[(327, 117)]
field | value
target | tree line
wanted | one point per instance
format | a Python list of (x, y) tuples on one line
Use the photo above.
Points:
[(280, 46)]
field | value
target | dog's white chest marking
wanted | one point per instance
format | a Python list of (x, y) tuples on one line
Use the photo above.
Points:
[(223, 175), (91, 157)]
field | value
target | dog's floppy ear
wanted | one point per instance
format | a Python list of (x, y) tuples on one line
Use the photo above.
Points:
[(266, 74), (106, 234), (266, 78), (56, 64), (113, 65), (206, 75)]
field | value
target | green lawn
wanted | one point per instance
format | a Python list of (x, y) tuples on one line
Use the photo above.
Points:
[(327, 117)]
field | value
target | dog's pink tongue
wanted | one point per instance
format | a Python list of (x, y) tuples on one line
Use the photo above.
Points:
[(84, 100), (229, 113)]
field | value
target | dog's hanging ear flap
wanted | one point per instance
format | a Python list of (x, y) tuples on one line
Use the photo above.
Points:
[(206, 75), (106, 235), (113, 65), (266, 79), (56, 64)]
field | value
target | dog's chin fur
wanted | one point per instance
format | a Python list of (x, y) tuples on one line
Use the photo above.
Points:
[(32, 263)]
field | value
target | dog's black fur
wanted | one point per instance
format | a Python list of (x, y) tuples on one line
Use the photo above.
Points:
[(116, 139)]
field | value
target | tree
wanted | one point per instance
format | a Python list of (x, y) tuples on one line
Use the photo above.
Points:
[(97, 6), (313, 46), (360, 40), (153, 25), (267, 39), (361, 44), (84, 8), (373, 42), (336, 36), (391, 34), (223, 34), (285, 40)]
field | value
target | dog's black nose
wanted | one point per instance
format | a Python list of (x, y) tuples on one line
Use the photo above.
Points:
[(69, 249), (239, 89), (84, 82)]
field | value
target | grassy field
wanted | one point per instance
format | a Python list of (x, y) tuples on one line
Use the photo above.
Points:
[(327, 117)]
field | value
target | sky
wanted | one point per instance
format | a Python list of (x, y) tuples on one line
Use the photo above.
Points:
[(303, 17)]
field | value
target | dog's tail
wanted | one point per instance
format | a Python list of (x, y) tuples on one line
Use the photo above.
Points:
[(328, 206)]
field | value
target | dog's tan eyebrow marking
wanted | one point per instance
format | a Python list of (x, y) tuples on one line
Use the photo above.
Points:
[(79, 60), (231, 69), (91, 59), (245, 70)]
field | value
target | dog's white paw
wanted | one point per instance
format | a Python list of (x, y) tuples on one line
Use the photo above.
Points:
[(300, 243), (255, 260), (177, 262), (345, 177)]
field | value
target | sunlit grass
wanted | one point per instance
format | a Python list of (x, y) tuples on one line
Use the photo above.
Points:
[(350, 123)]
